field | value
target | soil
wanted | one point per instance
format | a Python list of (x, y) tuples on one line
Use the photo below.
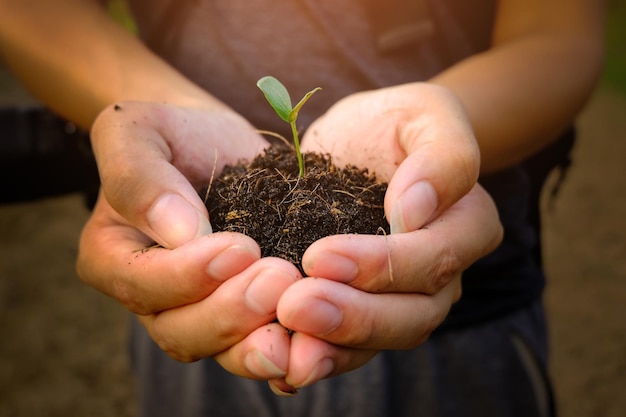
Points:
[(284, 213), (63, 350)]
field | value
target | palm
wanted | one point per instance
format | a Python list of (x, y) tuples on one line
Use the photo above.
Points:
[(359, 131)]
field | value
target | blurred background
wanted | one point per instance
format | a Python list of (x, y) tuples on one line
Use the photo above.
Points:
[(63, 350)]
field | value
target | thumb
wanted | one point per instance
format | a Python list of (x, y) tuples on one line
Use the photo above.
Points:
[(415, 206), (139, 179), (174, 220), (442, 163)]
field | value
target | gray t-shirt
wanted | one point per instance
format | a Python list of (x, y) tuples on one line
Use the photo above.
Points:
[(340, 45)]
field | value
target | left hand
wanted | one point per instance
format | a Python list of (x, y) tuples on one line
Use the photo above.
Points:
[(390, 292), (205, 294)]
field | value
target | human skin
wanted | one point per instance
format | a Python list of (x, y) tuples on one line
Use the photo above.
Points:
[(192, 317), (541, 49)]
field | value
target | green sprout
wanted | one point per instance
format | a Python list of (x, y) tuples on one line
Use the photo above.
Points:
[(278, 97)]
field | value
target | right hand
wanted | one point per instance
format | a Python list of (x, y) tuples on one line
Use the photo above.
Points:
[(201, 294), (390, 292)]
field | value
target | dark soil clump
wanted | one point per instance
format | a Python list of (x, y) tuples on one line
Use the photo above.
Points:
[(268, 201)]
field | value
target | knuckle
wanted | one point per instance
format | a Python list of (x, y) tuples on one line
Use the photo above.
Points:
[(447, 267), (118, 287), (126, 294), (176, 353), (190, 343), (168, 344)]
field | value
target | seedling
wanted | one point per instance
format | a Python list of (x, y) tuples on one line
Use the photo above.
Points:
[(278, 97)]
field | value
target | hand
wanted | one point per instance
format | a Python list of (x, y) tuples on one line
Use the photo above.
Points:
[(202, 294), (390, 292)]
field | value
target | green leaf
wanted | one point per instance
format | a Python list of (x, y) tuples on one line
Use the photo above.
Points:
[(277, 95), (294, 113)]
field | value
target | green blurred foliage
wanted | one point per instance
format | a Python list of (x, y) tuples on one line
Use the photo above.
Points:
[(118, 9)]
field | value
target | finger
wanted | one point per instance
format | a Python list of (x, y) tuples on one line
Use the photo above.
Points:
[(422, 261), (280, 387), (151, 156), (345, 316), (114, 259), (442, 160), (263, 354), (234, 310), (312, 359)]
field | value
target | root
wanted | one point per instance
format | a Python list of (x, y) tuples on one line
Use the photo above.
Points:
[(275, 135), (208, 190), (389, 265)]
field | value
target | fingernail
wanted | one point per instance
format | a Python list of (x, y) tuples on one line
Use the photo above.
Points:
[(317, 317), (263, 293), (231, 261), (344, 268), (281, 388), (321, 370), (258, 364), (414, 208), (176, 221)]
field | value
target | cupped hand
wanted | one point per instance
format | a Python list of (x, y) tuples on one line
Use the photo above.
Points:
[(152, 159), (200, 294), (369, 293), (416, 137)]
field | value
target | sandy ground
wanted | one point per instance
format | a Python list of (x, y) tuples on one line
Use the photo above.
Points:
[(586, 262), (63, 347)]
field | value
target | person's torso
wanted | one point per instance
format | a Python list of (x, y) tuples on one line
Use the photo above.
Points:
[(343, 46), (346, 46)]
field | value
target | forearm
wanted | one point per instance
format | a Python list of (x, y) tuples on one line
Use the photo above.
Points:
[(77, 60), (523, 92)]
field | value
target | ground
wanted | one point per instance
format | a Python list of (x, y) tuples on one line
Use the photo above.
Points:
[(64, 353), (586, 263)]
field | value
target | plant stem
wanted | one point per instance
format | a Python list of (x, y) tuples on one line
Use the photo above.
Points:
[(296, 143)]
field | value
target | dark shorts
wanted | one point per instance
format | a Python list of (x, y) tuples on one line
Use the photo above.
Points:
[(496, 369)]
